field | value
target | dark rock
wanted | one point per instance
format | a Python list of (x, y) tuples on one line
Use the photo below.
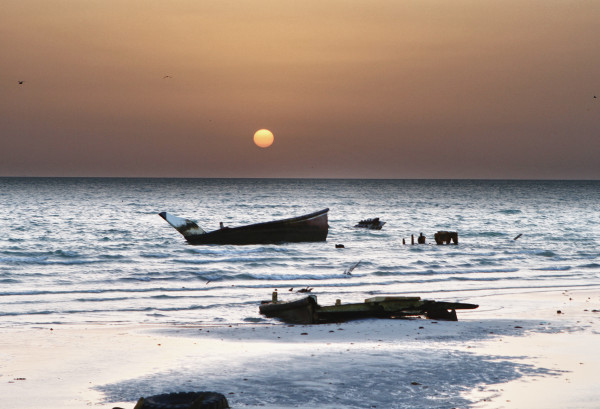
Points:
[(445, 237)]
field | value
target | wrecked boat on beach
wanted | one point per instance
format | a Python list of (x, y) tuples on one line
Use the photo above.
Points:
[(308, 311), (307, 228)]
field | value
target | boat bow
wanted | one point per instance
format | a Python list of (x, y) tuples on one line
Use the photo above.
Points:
[(188, 228)]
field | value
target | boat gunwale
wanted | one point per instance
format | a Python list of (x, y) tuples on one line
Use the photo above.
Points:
[(290, 220)]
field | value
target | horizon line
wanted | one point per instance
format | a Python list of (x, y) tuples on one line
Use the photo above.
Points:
[(295, 178)]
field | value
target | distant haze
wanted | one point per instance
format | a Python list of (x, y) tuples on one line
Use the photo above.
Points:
[(350, 89)]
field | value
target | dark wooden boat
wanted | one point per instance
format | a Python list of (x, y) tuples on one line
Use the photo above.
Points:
[(373, 224), (310, 227), (308, 311)]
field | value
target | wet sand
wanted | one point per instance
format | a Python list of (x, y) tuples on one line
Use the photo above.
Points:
[(515, 351)]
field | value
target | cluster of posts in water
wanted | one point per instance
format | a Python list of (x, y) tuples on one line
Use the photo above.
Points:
[(441, 237)]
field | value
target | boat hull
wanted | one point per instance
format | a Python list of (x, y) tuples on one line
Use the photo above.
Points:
[(312, 227), (302, 311)]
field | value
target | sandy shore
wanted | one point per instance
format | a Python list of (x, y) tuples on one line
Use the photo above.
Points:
[(513, 352)]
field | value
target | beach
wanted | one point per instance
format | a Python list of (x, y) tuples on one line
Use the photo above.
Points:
[(532, 349)]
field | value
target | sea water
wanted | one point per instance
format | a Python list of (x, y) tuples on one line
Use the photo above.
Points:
[(79, 250)]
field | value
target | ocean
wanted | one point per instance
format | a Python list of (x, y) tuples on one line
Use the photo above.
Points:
[(94, 250)]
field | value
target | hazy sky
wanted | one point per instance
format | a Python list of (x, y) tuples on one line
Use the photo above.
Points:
[(355, 89)]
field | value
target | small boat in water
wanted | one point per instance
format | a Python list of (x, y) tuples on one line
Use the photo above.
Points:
[(308, 311), (373, 224), (310, 227)]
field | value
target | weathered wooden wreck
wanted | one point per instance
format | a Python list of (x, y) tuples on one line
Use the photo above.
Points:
[(308, 311)]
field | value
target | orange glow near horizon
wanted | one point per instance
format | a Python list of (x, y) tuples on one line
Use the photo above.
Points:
[(360, 89)]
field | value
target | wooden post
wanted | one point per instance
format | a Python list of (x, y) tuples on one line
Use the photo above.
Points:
[(412, 239)]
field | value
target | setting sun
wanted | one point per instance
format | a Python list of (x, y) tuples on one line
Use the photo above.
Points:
[(263, 138)]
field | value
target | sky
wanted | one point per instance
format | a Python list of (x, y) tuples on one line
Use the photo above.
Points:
[(492, 89)]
